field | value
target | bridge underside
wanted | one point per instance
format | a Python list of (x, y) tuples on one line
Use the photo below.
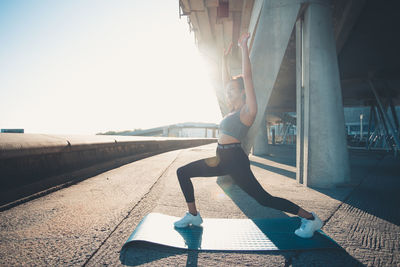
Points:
[(370, 51), (309, 56), (367, 41)]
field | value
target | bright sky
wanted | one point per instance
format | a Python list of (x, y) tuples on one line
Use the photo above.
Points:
[(83, 67)]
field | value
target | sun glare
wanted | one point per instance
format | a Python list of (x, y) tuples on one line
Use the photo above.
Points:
[(117, 66)]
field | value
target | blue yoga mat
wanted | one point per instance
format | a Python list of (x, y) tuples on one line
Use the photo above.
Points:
[(228, 234)]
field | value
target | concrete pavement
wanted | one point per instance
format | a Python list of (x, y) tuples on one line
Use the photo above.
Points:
[(87, 223), (36, 163)]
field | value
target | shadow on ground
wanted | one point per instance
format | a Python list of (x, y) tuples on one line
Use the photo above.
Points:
[(277, 170), (150, 253), (374, 184), (283, 154)]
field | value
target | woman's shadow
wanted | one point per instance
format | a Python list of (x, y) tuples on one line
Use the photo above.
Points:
[(138, 253)]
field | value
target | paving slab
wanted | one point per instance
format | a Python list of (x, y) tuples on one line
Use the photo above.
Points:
[(66, 227)]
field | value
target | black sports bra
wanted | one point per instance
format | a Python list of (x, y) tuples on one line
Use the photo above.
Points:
[(231, 125)]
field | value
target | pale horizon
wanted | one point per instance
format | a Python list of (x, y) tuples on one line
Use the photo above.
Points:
[(76, 67)]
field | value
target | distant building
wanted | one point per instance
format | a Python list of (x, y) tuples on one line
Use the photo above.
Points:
[(282, 126), (187, 129), (355, 116), (12, 130)]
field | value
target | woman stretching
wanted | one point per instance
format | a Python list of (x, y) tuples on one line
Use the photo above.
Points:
[(230, 157)]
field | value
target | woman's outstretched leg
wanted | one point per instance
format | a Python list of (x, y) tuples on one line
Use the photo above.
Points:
[(208, 167), (245, 179)]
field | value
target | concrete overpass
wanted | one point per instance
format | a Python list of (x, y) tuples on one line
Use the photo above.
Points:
[(176, 130), (312, 57)]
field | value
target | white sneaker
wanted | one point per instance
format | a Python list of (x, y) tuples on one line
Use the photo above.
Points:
[(189, 219), (303, 221), (308, 227)]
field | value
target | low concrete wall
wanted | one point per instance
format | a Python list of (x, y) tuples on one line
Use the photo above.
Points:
[(31, 163)]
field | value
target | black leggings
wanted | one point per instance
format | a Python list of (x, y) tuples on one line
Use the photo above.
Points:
[(235, 162)]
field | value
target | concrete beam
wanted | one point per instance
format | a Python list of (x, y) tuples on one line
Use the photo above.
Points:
[(228, 31), (185, 6), (350, 15), (219, 36), (236, 66), (271, 39), (205, 28), (255, 14), (197, 5), (195, 26), (212, 16), (246, 15), (212, 3), (235, 5)]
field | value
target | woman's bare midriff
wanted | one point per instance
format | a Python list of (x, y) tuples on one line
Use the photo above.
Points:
[(224, 139)]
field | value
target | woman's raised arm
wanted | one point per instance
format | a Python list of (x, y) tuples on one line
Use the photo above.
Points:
[(251, 101), (226, 76)]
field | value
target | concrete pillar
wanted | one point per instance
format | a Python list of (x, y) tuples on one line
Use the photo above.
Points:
[(261, 140), (274, 27), (322, 156), (300, 103), (273, 136)]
